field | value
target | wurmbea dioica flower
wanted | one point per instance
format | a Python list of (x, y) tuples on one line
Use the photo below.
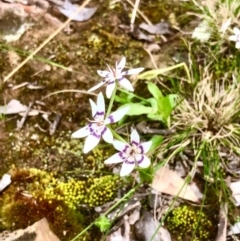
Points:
[(97, 127), (113, 75), (130, 154), (236, 37)]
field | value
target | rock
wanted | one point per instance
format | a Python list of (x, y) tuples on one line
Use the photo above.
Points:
[(39, 231), (145, 228)]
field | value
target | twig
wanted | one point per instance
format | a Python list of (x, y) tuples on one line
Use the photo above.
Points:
[(54, 125), (141, 13), (134, 13), (21, 123)]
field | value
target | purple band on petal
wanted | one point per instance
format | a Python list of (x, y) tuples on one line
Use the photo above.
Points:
[(125, 149), (129, 162), (110, 82), (141, 149), (104, 130), (102, 113), (140, 161), (134, 143), (90, 128), (120, 78), (111, 119)]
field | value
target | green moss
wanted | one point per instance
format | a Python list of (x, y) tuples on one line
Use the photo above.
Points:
[(102, 190), (187, 222), (34, 194)]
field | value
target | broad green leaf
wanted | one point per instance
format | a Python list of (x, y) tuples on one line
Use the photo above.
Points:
[(137, 109), (154, 90), (154, 103), (172, 99), (151, 74), (156, 116), (146, 174), (156, 141)]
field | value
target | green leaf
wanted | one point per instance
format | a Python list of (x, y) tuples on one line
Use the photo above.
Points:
[(137, 109), (146, 174), (154, 103), (168, 103), (155, 91), (103, 223), (156, 141), (156, 117)]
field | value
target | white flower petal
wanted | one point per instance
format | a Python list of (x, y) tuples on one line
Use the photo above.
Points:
[(107, 136), (225, 25), (120, 146), (116, 115), (132, 71), (5, 181), (116, 158), (120, 66), (145, 162), (100, 104), (109, 89), (81, 132), (125, 83), (233, 38), (135, 137), (126, 169), (97, 86), (90, 143), (236, 31), (93, 107), (146, 146), (103, 73), (237, 45)]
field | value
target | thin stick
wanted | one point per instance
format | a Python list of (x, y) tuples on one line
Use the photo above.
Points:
[(134, 13), (46, 41), (141, 13)]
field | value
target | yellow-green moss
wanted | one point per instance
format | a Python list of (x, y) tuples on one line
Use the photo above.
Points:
[(34, 194), (189, 224)]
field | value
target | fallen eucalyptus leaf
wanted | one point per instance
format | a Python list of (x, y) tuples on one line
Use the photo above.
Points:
[(235, 188), (169, 182), (68, 9), (159, 28), (235, 229), (13, 107), (222, 223), (5, 181)]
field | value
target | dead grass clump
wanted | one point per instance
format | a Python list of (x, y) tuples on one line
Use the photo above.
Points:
[(211, 114)]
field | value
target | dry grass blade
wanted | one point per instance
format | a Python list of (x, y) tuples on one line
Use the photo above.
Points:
[(212, 113), (134, 13), (46, 41)]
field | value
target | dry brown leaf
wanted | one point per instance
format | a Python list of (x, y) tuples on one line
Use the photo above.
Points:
[(169, 182), (222, 223)]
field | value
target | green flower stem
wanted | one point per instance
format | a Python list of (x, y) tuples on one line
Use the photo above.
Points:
[(108, 112), (116, 136), (127, 195), (111, 100)]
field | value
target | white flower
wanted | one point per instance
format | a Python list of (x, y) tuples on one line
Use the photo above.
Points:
[(130, 154), (225, 25), (97, 127), (236, 37), (5, 181), (113, 75)]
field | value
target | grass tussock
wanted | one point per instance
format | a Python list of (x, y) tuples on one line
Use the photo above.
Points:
[(211, 114)]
